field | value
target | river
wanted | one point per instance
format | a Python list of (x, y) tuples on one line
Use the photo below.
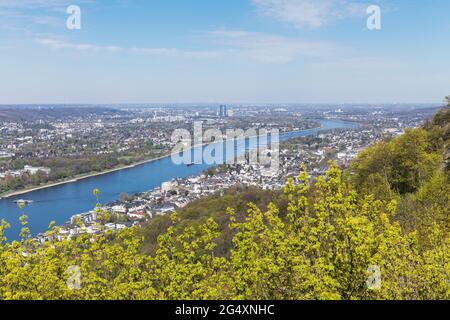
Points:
[(60, 202)]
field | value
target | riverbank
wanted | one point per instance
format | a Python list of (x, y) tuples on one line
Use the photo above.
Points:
[(78, 178), (62, 202), (90, 175)]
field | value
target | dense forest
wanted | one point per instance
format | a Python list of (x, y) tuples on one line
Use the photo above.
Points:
[(378, 230)]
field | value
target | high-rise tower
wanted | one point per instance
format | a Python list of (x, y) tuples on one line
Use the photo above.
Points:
[(223, 111)]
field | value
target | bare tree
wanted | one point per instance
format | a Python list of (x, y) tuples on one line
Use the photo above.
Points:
[(124, 197)]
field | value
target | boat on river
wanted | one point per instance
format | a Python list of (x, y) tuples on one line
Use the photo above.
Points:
[(23, 201)]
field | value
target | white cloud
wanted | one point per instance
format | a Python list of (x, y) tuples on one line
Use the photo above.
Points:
[(309, 13), (60, 44), (268, 48), (228, 44), (173, 52)]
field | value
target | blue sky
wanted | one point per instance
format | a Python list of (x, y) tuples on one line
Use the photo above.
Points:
[(224, 51)]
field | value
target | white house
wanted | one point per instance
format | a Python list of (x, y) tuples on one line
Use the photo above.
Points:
[(34, 170), (119, 209)]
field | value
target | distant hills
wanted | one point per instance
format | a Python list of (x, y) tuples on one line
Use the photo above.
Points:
[(34, 113)]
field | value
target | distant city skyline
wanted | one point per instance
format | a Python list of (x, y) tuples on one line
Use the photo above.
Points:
[(223, 52)]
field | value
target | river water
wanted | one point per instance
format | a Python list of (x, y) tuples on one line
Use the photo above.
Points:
[(59, 203)]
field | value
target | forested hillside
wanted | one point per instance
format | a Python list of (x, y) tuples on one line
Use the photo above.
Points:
[(379, 230)]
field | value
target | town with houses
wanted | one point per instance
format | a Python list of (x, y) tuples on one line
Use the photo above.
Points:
[(26, 169), (130, 128)]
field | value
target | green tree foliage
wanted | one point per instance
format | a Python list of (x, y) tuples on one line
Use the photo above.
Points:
[(322, 249), (215, 207), (378, 231), (404, 163)]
